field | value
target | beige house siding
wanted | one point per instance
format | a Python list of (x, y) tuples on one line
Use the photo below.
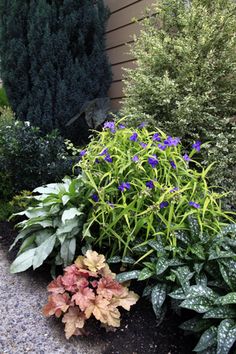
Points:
[(122, 26)]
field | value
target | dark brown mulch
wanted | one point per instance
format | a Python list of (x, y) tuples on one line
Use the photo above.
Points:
[(138, 334)]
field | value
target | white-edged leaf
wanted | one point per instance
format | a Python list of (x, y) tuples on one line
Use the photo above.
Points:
[(69, 214), (23, 261), (43, 251)]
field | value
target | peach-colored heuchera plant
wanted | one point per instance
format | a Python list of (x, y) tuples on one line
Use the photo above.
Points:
[(88, 287)]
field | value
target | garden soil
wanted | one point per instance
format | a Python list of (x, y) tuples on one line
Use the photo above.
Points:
[(23, 329)]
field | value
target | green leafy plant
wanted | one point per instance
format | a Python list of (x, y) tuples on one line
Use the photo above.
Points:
[(27, 158), (144, 184), (198, 274), (185, 79), (19, 202), (3, 98), (54, 226), (88, 287)]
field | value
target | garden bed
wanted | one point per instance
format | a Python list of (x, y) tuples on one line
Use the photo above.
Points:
[(138, 333)]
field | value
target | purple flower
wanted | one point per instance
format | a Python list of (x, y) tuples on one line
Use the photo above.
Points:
[(108, 158), (173, 164), (197, 145), (122, 126), (110, 125), (153, 161), (97, 160), (174, 190), (135, 158), (163, 205), (142, 125), (162, 147), (111, 205), (123, 186), (156, 137), (171, 141), (143, 145), (150, 184), (104, 152), (195, 205), (186, 157), (134, 137), (83, 152), (95, 197)]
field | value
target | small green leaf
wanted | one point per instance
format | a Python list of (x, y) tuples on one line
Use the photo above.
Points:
[(145, 274), (226, 336), (125, 276), (208, 339), (23, 262)]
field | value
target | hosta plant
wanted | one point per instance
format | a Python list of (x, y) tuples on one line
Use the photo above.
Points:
[(87, 288), (53, 227), (198, 274)]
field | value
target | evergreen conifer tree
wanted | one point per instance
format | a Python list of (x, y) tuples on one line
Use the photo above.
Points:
[(53, 58)]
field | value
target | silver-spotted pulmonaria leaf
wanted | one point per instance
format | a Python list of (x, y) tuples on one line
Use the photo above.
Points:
[(194, 227), (221, 312), (199, 304), (199, 251), (158, 297), (125, 276), (178, 294), (231, 228), (228, 273), (207, 340), (147, 290), (227, 299), (145, 274), (184, 275), (196, 324), (128, 260), (161, 265), (157, 246), (114, 260), (226, 336), (203, 291)]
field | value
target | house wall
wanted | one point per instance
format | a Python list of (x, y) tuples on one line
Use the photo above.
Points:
[(122, 26)]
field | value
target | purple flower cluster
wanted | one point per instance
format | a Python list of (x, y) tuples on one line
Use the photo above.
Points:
[(95, 197), (143, 145), (163, 205), (156, 137), (124, 186), (173, 164), (153, 161), (82, 153), (142, 125), (174, 190), (194, 205), (122, 126), (197, 145), (171, 141), (162, 147), (110, 125), (186, 157), (150, 185), (105, 153), (135, 158), (134, 137)]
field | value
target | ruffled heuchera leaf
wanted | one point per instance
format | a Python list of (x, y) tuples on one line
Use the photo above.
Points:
[(83, 298), (57, 304), (79, 262), (105, 272), (107, 287), (103, 311), (126, 299), (56, 286), (94, 261), (74, 320)]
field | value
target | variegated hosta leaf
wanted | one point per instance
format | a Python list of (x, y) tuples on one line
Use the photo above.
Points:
[(207, 340), (226, 336), (158, 297)]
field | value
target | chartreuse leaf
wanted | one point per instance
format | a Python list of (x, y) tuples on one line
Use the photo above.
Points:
[(227, 299), (158, 297), (43, 251), (226, 336), (207, 340), (23, 261), (125, 276)]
